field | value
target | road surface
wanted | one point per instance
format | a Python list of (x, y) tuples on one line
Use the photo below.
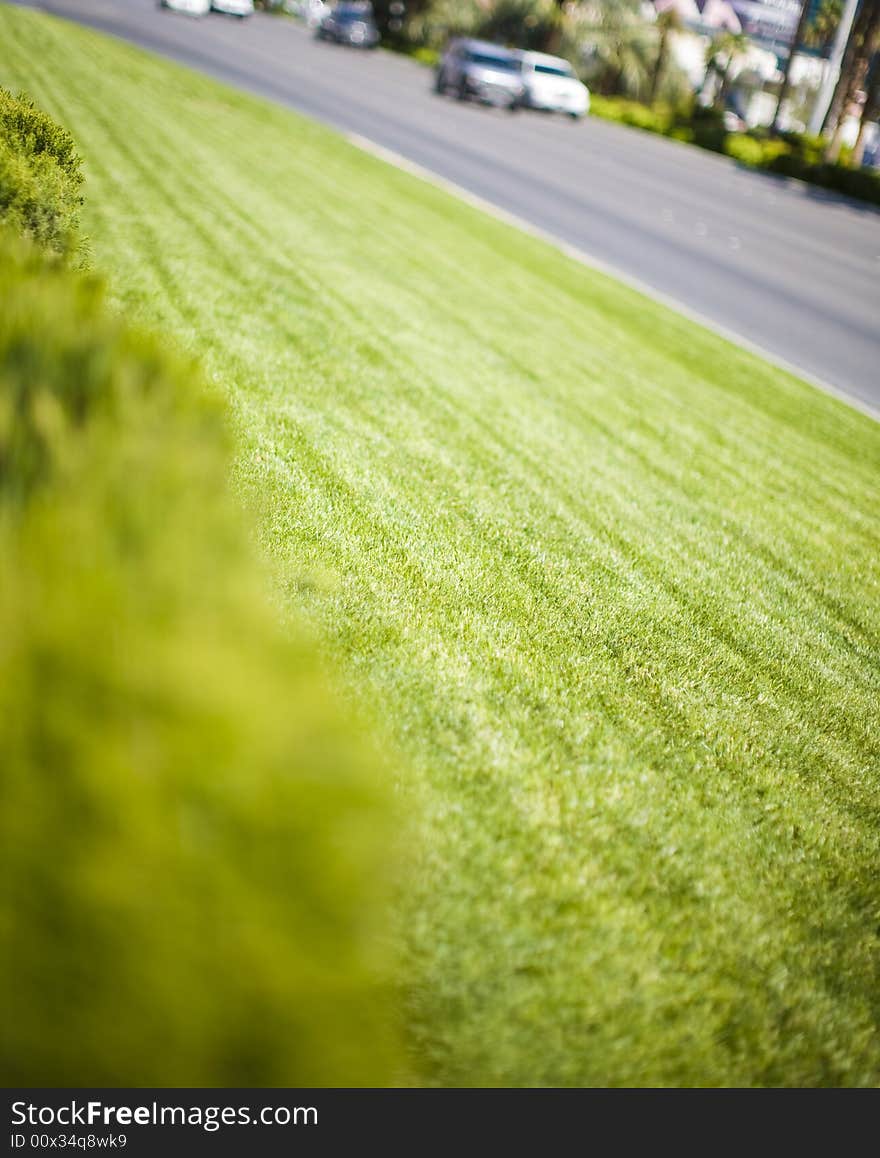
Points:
[(790, 269)]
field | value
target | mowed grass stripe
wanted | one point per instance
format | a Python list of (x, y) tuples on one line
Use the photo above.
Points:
[(610, 583)]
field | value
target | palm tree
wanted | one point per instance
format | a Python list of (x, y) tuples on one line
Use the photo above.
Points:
[(725, 50), (530, 24), (860, 48), (800, 32), (869, 112), (822, 25), (667, 23), (617, 48), (556, 27)]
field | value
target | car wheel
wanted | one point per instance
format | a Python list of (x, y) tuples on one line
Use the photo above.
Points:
[(575, 116), (462, 90), (440, 83)]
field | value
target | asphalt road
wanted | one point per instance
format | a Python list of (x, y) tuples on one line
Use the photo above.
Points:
[(790, 269)]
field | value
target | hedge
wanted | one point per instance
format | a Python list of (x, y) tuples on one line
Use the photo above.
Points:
[(196, 845), (652, 118), (40, 178), (791, 154)]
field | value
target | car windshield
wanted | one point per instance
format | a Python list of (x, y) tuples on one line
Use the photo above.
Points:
[(349, 15), (554, 69), (489, 61)]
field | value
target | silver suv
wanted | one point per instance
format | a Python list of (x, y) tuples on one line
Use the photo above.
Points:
[(479, 70)]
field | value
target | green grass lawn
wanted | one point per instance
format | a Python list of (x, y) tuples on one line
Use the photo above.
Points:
[(610, 585)]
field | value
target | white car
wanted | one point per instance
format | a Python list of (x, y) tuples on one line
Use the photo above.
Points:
[(191, 7), (239, 8), (549, 83)]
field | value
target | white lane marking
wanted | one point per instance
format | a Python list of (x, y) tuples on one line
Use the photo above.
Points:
[(702, 229), (605, 267), (734, 242)]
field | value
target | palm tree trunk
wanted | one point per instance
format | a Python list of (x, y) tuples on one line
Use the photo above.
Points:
[(721, 92), (858, 153), (844, 81), (554, 38), (864, 34), (800, 32), (660, 62)]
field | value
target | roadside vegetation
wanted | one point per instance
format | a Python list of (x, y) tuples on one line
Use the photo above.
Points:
[(194, 841), (786, 154), (630, 66), (608, 583)]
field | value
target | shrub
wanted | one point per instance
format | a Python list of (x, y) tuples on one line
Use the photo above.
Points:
[(193, 844), (790, 154), (744, 149), (708, 128), (654, 119), (754, 152), (29, 131), (40, 178), (862, 184), (427, 56), (809, 148)]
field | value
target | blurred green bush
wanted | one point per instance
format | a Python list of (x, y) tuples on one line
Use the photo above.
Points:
[(753, 151), (195, 844), (789, 154), (40, 178), (707, 127), (653, 118), (863, 184)]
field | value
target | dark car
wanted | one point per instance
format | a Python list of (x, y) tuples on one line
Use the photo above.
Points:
[(351, 24), (480, 70)]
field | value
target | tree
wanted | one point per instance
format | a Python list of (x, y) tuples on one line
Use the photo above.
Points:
[(822, 25), (725, 50), (853, 74), (536, 25), (617, 45), (392, 15), (667, 23), (556, 27), (870, 110), (800, 32)]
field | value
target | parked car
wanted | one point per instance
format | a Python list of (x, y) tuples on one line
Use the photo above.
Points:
[(351, 24), (549, 83), (480, 70), (239, 8), (191, 7)]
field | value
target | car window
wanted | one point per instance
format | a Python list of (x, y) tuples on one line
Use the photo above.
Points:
[(554, 69), (489, 61)]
